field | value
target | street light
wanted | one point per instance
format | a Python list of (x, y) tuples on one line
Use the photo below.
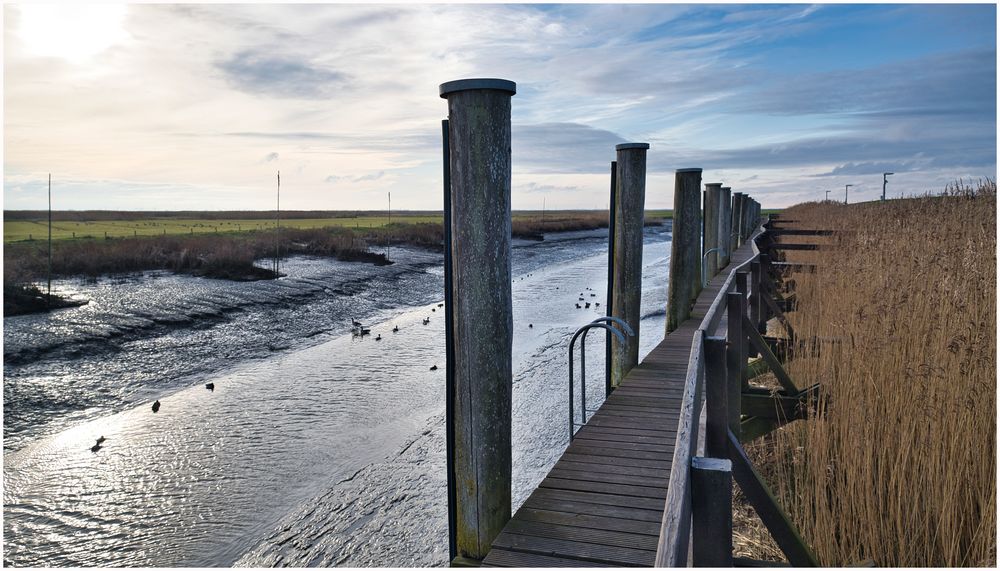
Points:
[(827, 197), (846, 186), (885, 174)]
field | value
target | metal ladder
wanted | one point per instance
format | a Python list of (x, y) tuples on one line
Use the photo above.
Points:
[(601, 323)]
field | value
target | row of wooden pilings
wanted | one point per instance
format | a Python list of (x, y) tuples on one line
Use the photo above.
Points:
[(479, 324)]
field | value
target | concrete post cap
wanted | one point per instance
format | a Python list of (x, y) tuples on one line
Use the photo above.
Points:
[(477, 83), (624, 146), (688, 170), (727, 188), (715, 184)]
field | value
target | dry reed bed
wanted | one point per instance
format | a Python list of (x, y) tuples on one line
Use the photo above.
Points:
[(899, 465)]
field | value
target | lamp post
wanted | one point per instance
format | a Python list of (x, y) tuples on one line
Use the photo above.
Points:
[(884, 175), (827, 197), (846, 186)]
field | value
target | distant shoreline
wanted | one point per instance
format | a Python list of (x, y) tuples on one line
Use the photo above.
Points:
[(233, 254)]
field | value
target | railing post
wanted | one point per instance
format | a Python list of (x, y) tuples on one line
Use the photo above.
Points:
[(713, 211), (685, 251), (480, 167), (735, 356), (716, 398), (743, 342), (711, 478), (765, 289), (712, 512), (755, 293), (629, 208), (725, 222)]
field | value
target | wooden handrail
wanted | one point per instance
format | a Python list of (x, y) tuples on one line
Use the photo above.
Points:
[(675, 527)]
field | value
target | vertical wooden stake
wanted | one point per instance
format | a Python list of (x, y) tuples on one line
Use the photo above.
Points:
[(725, 222), (716, 398), (480, 167), (685, 248), (713, 210), (737, 229), (736, 359), (629, 208), (48, 296), (608, 386), (712, 512), (755, 293)]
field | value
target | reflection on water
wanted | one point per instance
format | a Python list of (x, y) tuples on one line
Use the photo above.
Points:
[(331, 453)]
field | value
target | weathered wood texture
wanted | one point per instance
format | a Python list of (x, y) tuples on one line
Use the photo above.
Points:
[(685, 248), (630, 200), (712, 512), (479, 137), (712, 213), (737, 238), (603, 501), (725, 227)]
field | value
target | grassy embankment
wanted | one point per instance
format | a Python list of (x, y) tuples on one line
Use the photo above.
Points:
[(899, 465), (221, 244)]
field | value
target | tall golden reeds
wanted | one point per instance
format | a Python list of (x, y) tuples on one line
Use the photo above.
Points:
[(899, 464)]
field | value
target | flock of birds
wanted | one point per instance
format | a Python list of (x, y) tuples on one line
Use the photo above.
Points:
[(155, 407), (359, 330)]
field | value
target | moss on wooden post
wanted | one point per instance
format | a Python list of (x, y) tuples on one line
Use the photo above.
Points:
[(685, 249), (629, 207), (480, 164)]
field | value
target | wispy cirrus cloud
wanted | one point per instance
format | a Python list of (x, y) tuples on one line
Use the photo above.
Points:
[(778, 98)]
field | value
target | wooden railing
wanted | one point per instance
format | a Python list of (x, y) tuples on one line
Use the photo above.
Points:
[(697, 518)]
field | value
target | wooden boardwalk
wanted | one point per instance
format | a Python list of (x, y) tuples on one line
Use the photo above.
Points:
[(602, 503)]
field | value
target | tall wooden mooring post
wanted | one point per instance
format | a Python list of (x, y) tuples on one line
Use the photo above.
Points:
[(626, 253), (710, 241), (725, 227), (685, 249), (479, 330)]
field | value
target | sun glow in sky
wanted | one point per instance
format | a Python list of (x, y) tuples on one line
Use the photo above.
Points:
[(72, 31), (195, 106)]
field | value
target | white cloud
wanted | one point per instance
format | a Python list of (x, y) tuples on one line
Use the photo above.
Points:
[(193, 96)]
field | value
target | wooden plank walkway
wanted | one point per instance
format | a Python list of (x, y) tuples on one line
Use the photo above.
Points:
[(602, 503)]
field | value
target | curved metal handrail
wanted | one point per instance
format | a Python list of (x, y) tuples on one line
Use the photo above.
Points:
[(619, 321), (583, 359), (597, 323), (704, 278)]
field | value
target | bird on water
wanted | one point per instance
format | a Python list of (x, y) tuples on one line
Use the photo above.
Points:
[(95, 447), (156, 406), (427, 320), (395, 329), (378, 337), (434, 367), (210, 386), (101, 440)]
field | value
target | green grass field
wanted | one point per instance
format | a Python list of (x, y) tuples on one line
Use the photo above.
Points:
[(22, 230), (25, 230)]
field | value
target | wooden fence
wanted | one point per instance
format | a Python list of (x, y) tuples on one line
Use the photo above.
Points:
[(697, 519)]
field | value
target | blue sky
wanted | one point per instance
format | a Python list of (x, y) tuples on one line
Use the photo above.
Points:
[(153, 107)]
